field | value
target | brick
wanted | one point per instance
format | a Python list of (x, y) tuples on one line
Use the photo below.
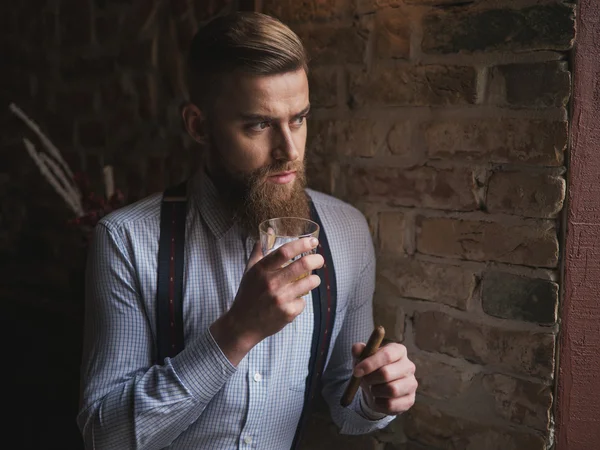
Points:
[(539, 27), (524, 352), (137, 54), (58, 129), (361, 138), (323, 87), (320, 175), (331, 45), (371, 6), (87, 68), (141, 16), (180, 7), (75, 18), (430, 85), (515, 297), (423, 186), (92, 134), (525, 194), (354, 137), (399, 139), (391, 232), (441, 3), (113, 93), (406, 446), (75, 101), (440, 380), (430, 426), (105, 29), (531, 85), (392, 35), (519, 401), (498, 140), (206, 11), (147, 90), (532, 243), (391, 317), (186, 30), (293, 11), (441, 283), (321, 434), (50, 28), (123, 120)]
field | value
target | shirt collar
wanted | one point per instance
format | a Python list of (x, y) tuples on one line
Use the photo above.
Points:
[(210, 206)]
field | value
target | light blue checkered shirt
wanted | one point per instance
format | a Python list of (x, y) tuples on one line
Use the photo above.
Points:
[(198, 400)]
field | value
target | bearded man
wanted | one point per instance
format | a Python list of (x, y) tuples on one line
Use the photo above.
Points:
[(193, 338)]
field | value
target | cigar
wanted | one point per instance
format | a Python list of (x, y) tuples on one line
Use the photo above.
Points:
[(372, 346)]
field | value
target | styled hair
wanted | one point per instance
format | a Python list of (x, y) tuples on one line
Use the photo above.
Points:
[(243, 42)]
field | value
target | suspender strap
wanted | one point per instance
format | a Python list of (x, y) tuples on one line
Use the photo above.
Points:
[(169, 301), (324, 306)]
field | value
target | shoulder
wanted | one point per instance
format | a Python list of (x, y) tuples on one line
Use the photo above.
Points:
[(145, 211), (338, 214)]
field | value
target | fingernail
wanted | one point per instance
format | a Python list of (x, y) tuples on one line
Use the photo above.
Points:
[(314, 242), (358, 373)]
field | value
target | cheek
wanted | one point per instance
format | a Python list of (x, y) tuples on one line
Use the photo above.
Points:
[(241, 152), (300, 141)]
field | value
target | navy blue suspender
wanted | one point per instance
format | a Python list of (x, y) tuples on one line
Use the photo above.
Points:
[(324, 307), (170, 295)]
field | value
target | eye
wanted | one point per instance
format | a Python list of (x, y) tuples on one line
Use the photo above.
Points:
[(260, 126), (298, 121)]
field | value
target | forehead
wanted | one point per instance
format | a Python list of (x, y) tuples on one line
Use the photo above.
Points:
[(269, 95)]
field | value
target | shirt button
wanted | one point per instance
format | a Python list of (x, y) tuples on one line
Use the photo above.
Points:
[(257, 377), (248, 440)]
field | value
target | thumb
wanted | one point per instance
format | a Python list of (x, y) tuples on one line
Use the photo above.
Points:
[(255, 256), (357, 350)]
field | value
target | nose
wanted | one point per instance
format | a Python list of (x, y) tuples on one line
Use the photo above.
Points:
[(284, 147)]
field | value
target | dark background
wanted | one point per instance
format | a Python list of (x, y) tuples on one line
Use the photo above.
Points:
[(104, 80)]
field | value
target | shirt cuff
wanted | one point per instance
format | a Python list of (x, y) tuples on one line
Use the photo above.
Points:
[(203, 367)]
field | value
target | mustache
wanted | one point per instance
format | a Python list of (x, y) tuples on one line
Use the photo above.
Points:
[(272, 169)]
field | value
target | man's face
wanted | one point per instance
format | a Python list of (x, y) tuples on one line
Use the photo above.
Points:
[(257, 137)]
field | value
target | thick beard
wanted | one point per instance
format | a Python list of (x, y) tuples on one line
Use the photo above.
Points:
[(252, 199)]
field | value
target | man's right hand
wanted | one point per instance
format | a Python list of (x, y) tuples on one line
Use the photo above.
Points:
[(269, 297)]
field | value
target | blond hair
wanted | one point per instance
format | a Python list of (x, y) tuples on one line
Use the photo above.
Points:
[(246, 42)]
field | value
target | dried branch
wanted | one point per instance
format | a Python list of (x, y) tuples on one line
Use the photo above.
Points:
[(75, 206), (45, 141)]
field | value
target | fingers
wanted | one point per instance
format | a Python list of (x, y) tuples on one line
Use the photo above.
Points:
[(394, 405), (386, 355), (255, 256), (401, 369), (304, 286), (287, 252), (357, 349), (301, 268), (395, 389)]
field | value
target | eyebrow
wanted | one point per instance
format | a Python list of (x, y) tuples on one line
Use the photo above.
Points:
[(262, 118)]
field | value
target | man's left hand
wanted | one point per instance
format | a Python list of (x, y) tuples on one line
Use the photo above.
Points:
[(388, 378)]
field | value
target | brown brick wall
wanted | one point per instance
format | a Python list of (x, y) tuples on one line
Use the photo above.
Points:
[(449, 117), (446, 123)]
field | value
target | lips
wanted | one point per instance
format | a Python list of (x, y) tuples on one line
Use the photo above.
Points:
[(283, 177)]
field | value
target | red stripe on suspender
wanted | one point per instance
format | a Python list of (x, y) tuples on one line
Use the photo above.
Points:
[(172, 282), (323, 344)]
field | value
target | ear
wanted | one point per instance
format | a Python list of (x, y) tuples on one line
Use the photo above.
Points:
[(194, 121)]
